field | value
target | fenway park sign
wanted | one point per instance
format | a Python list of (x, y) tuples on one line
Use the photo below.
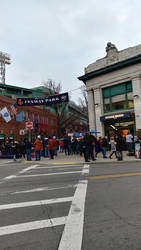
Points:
[(43, 100)]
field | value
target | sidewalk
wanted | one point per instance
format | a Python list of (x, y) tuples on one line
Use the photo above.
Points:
[(77, 159), (74, 159)]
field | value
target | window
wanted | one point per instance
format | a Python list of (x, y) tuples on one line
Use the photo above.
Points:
[(46, 120), (118, 97), (36, 118), (30, 116), (118, 102), (107, 104), (130, 100), (25, 115), (12, 114)]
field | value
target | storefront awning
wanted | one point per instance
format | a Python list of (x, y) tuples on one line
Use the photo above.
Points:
[(11, 137), (115, 117), (2, 136)]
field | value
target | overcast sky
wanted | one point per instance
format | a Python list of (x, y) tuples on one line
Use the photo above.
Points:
[(57, 38)]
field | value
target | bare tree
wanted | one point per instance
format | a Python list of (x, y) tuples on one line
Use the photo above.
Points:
[(63, 116), (83, 102)]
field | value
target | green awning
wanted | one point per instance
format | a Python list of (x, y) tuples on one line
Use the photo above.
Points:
[(2, 136), (11, 137)]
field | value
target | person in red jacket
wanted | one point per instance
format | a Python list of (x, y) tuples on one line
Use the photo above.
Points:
[(50, 147), (55, 145), (38, 147), (61, 145), (100, 146)]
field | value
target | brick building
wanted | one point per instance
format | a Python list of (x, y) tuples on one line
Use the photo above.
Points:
[(43, 117), (44, 121)]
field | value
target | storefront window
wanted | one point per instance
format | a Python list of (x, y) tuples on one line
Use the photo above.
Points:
[(130, 100), (118, 97), (118, 102)]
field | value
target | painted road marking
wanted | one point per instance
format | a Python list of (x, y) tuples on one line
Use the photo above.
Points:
[(43, 189), (70, 162), (85, 170), (73, 230), (34, 203), (39, 175), (20, 172), (9, 177), (113, 176), (59, 167), (27, 169), (1, 164), (34, 225)]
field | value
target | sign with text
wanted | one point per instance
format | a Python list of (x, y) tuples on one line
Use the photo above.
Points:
[(54, 99), (115, 117)]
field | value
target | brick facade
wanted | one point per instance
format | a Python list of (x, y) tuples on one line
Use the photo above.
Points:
[(44, 121)]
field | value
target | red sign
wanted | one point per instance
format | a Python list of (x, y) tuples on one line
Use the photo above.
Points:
[(21, 132), (29, 125)]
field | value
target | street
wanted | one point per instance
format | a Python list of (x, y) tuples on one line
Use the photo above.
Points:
[(70, 206)]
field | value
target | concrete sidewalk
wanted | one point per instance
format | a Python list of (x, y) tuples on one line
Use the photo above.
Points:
[(77, 159), (73, 159)]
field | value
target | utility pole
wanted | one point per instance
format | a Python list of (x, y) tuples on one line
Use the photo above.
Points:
[(4, 59)]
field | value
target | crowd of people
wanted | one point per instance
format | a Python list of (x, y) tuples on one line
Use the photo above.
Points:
[(88, 146)]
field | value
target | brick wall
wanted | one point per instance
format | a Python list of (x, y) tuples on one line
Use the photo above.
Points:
[(13, 127)]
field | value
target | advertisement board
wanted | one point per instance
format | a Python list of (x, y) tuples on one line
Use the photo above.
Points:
[(137, 150)]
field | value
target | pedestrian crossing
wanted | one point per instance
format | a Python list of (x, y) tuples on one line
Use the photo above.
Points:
[(60, 205)]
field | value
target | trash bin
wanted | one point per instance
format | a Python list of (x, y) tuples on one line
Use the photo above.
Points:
[(138, 149), (131, 149)]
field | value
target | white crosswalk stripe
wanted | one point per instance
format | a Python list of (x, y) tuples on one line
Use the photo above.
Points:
[(34, 225), (35, 203), (72, 234), (48, 174), (43, 189)]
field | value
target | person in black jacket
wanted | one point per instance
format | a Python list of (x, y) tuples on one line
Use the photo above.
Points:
[(28, 146), (22, 149), (105, 145), (15, 150), (92, 142), (85, 147), (119, 147)]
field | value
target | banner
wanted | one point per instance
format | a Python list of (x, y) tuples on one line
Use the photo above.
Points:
[(14, 109), (19, 117), (43, 100), (5, 114)]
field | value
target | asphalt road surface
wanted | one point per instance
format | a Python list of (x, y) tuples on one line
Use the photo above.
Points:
[(70, 207)]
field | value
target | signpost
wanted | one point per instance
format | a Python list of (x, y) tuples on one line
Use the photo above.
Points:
[(29, 125)]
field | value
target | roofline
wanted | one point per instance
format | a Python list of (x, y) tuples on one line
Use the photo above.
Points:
[(110, 68), (14, 87)]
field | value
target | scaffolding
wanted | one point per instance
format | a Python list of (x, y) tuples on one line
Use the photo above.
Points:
[(4, 59)]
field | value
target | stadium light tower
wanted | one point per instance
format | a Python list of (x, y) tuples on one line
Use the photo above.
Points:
[(4, 59)]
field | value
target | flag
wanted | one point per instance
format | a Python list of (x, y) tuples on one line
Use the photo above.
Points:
[(5, 114), (14, 109), (19, 117)]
